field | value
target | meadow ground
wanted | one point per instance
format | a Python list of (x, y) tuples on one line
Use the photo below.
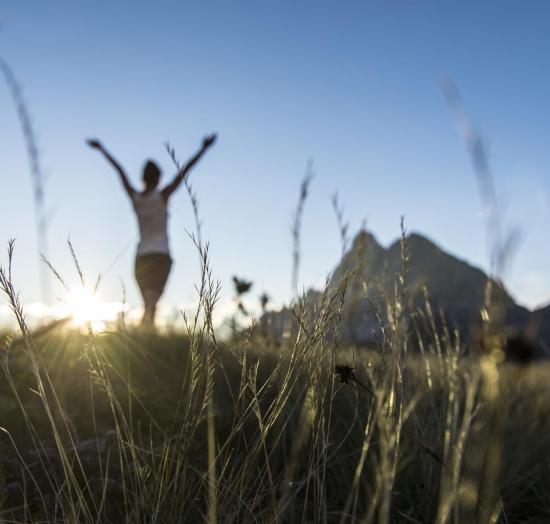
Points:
[(125, 427)]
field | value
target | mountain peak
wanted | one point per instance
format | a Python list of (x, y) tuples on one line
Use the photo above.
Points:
[(364, 236), (454, 286), (415, 241)]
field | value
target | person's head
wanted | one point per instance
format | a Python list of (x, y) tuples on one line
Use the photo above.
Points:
[(151, 174)]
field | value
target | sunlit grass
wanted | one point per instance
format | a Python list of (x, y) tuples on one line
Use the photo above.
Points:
[(131, 427)]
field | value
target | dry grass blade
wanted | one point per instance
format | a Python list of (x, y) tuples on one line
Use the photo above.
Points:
[(76, 263), (36, 171), (55, 272), (503, 243), (343, 226), (297, 226), (190, 192)]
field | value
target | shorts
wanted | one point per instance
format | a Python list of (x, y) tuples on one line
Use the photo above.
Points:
[(152, 271)]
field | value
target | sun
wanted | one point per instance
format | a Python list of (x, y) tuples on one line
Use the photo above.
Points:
[(86, 309)]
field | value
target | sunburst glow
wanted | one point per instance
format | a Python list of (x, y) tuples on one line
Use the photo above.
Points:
[(87, 309)]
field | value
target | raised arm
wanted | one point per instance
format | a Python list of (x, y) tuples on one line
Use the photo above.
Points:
[(96, 144), (180, 177)]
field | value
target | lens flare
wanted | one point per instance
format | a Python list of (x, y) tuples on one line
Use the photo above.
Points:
[(86, 309)]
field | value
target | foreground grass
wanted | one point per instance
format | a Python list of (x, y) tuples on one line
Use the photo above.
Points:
[(116, 427)]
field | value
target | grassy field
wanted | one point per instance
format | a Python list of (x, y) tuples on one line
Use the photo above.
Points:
[(127, 427), (287, 425)]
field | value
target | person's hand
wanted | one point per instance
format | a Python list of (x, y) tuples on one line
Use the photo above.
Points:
[(209, 140), (94, 143)]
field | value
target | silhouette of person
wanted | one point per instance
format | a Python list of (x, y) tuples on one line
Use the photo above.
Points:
[(153, 261)]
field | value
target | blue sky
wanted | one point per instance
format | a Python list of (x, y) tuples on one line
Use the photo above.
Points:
[(353, 85)]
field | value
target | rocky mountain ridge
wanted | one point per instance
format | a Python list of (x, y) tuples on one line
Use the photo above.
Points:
[(455, 288)]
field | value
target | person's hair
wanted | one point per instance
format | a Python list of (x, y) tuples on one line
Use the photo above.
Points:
[(151, 173)]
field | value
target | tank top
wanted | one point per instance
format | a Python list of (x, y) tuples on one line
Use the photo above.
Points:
[(152, 216)]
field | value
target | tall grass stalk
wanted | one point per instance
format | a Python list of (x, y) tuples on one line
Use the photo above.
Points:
[(343, 226), (296, 228), (190, 192), (36, 173)]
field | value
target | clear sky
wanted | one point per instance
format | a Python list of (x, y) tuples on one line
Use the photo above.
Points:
[(353, 85)]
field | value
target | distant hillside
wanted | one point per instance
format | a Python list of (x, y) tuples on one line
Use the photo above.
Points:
[(455, 287), (539, 324)]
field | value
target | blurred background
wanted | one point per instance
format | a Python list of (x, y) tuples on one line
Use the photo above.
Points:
[(355, 86)]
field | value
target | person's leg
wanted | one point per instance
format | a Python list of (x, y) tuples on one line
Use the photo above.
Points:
[(142, 274), (159, 275), (151, 274), (150, 300)]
